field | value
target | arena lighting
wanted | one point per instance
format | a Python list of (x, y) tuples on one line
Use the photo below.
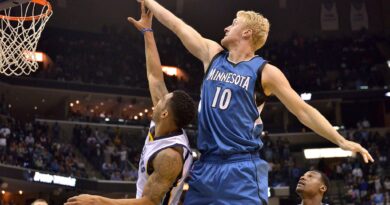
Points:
[(146, 110), (306, 96), (33, 56), (135, 117), (54, 179), (388, 63), (2, 192), (20, 192), (9, 105), (341, 127), (71, 104), (186, 187), (326, 153), (269, 192), (194, 154), (141, 114), (77, 102), (170, 70), (387, 94), (107, 119), (35, 108), (152, 108)]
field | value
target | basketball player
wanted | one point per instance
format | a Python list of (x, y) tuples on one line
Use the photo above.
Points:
[(237, 82), (312, 187), (166, 156)]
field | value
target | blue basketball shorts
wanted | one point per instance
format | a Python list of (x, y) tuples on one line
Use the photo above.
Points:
[(239, 179)]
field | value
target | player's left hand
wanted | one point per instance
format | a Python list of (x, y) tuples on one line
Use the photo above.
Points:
[(356, 148), (146, 18), (83, 199)]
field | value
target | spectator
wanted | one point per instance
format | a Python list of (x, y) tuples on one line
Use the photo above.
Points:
[(357, 172), (378, 198), (386, 184)]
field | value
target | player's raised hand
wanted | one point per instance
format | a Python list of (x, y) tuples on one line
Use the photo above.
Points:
[(357, 148), (146, 18)]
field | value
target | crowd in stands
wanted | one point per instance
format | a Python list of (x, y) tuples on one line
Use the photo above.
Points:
[(117, 58), (111, 59), (367, 183), (318, 64), (114, 151), (35, 145), (281, 164), (109, 152)]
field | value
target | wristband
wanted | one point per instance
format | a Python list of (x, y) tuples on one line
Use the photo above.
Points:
[(144, 30)]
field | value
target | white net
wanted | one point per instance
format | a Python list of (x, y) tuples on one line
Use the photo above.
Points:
[(21, 28)]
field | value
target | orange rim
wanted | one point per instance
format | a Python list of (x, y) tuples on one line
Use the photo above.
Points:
[(30, 18)]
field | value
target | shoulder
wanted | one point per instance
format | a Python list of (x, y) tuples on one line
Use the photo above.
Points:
[(168, 162), (214, 48), (271, 71), (169, 154), (272, 77), (217, 54), (222, 53), (152, 124)]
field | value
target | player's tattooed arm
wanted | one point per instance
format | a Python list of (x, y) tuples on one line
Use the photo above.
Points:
[(167, 167)]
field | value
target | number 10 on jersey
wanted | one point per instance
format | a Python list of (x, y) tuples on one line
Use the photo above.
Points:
[(222, 99)]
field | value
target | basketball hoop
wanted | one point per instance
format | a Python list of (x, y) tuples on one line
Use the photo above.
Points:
[(21, 25)]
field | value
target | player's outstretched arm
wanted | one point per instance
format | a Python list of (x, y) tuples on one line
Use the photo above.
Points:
[(167, 167), (202, 48), (155, 75), (86, 199), (274, 82)]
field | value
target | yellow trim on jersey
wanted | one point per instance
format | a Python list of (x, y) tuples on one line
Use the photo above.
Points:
[(150, 137)]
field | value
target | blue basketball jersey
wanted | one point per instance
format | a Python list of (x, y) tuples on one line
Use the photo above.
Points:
[(229, 120)]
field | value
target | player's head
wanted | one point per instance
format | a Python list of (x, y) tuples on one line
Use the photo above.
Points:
[(248, 26), (312, 183), (39, 202), (176, 107)]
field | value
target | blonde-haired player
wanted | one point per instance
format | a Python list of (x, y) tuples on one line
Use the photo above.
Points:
[(234, 89), (258, 24)]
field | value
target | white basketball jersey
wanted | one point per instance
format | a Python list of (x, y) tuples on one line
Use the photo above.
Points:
[(151, 148)]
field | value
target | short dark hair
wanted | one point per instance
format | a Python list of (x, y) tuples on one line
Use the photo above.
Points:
[(324, 179), (183, 108), (39, 200)]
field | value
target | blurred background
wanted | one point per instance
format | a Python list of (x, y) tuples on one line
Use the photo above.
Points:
[(85, 113)]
